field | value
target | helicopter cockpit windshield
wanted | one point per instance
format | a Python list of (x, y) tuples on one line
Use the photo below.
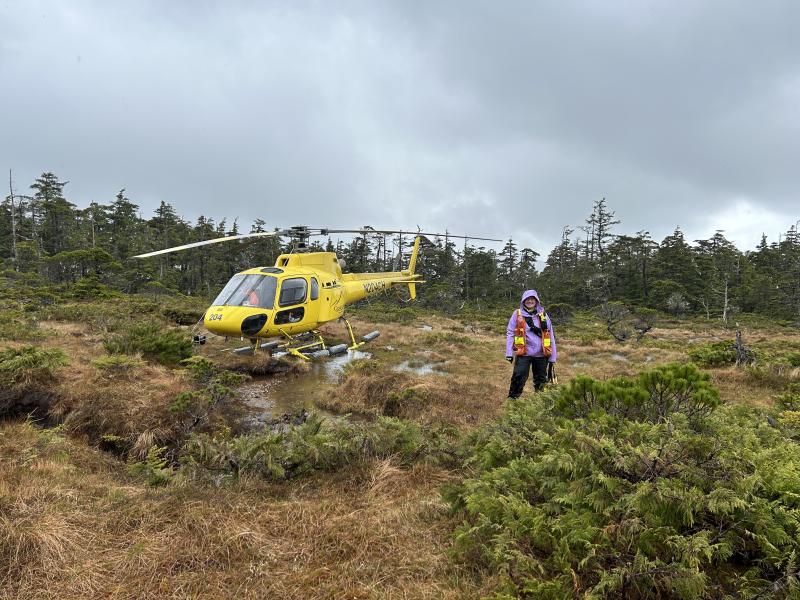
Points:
[(248, 290)]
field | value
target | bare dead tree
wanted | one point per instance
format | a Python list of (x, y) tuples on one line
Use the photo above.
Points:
[(744, 355), (615, 314), (644, 320), (15, 254)]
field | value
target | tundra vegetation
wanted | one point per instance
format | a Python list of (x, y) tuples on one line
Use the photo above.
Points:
[(131, 465)]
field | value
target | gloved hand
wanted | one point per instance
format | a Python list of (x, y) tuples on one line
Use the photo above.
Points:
[(510, 358)]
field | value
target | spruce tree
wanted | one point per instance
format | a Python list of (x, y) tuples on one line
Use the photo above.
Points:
[(55, 216)]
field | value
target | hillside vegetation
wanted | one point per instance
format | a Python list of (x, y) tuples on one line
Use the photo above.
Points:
[(43, 233), (131, 464)]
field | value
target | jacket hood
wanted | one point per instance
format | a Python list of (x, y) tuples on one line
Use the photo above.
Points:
[(528, 294)]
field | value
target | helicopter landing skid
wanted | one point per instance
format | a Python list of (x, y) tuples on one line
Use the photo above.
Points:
[(308, 345), (299, 345)]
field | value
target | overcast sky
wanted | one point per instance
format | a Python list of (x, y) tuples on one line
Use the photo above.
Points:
[(494, 118)]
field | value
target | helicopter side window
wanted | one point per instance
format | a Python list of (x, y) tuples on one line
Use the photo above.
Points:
[(314, 288), (293, 291)]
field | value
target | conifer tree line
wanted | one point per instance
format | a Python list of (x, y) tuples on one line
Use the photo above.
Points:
[(43, 232)]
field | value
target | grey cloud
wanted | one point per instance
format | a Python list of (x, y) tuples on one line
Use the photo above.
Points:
[(459, 115)]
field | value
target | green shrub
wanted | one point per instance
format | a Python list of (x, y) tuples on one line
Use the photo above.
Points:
[(568, 501), (716, 354), (193, 409), (313, 446), (561, 312), (790, 398), (14, 325), (156, 288), (183, 316), (201, 368), (29, 365), (790, 420), (651, 396), (153, 341), (154, 468), (91, 288)]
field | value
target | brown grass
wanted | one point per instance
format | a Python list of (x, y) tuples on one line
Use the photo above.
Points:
[(74, 526)]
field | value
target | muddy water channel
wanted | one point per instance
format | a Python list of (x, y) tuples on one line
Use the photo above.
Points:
[(270, 397)]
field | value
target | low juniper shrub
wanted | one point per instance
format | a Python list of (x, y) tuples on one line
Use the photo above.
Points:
[(715, 354), (633, 488), (29, 365), (315, 445), (152, 341), (154, 468)]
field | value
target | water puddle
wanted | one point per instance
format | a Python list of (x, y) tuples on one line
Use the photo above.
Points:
[(426, 328), (271, 397), (413, 367)]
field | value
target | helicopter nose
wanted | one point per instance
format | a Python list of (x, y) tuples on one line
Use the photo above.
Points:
[(254, 323)]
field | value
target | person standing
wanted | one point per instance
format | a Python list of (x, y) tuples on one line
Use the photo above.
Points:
[(530, 344)]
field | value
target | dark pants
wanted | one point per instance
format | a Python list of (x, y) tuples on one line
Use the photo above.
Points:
[(523, 364)]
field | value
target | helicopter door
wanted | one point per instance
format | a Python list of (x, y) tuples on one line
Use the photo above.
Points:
[(298, 302), (291, 302), (312, 306)]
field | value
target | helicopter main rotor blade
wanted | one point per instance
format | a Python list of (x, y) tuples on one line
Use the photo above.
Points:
[(229, 238), (389, 232)]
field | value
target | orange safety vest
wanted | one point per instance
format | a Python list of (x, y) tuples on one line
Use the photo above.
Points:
[(519, 335), (547, 338)]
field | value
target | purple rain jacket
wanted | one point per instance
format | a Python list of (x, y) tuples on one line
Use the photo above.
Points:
[(533, 343)]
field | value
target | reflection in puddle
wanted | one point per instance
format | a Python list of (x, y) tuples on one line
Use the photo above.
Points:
[(270, 397), (418, 369), (331, 368)]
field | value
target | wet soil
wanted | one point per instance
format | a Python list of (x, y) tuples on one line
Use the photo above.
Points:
[(284, 396)]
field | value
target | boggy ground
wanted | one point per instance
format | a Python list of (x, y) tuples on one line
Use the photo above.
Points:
[(74, 523)]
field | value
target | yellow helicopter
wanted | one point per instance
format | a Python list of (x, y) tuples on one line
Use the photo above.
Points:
[(302, 291)]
